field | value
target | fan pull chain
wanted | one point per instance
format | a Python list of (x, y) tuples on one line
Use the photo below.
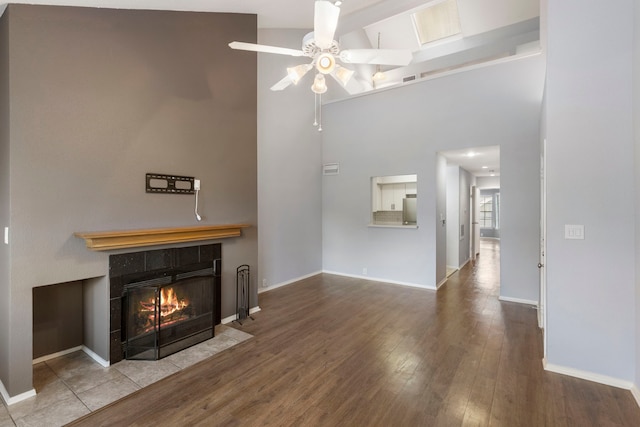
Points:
[(315, 109), (320, 112)]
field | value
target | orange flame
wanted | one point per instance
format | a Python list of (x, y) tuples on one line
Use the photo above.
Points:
[(169, 302)]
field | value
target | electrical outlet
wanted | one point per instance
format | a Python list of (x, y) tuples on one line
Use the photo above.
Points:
[(264, 283), (364, 271), (196, 184)]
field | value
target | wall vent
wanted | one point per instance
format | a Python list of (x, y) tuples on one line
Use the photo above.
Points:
[(408, 79), (331, 169)]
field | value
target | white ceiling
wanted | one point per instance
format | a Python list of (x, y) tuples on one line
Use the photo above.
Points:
[(480, 161)]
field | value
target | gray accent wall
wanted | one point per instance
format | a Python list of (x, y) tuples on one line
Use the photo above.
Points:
[(98, 98), (289, 172), (5, 202), (399, 131), (591, 309), (636, 121)]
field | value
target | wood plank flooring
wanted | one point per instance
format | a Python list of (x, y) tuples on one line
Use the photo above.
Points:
[(331, 351)]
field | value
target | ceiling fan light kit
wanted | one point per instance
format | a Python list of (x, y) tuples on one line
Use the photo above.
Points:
[(298, 72), (321, 47), (319, 84)]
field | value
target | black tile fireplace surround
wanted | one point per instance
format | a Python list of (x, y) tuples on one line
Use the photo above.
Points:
[(124, 267)]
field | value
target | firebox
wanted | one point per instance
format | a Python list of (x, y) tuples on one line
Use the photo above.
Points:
[(168, 312), (167, 300)]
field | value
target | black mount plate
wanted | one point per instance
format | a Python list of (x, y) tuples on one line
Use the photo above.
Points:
[(169, 184)]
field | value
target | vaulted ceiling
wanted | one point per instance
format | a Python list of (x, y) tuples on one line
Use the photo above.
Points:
[(489, 30)]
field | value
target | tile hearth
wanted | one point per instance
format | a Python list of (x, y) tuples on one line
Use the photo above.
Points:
[(74, 385)]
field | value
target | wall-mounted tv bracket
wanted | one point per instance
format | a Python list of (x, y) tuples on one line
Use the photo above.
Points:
[(172, 184)]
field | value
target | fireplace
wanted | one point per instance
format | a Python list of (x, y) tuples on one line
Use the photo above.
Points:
[(167, 311), (163, 301)]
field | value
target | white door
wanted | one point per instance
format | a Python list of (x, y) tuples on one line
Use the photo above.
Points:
[(542, 318), (475, 224)]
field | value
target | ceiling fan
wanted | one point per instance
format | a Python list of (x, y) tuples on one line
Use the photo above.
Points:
[(324, 51)]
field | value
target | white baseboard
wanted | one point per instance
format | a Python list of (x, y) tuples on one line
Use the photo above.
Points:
[(233, 317), (636, 393), (376, 279), (288, 282), (87, 350), (442, 282), (519, 301), (15, 399), (57, 354), (96, 357), (589, 376)]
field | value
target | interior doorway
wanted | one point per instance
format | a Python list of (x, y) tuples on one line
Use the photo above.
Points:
[(469, 172)]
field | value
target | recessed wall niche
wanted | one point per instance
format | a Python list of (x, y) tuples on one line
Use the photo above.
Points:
[(57, 318)]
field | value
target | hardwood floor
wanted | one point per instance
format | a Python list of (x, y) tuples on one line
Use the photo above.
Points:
[(331, 350)]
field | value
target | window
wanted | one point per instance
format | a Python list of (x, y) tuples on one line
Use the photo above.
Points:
[(486, 211), (489, 210), (438, 21)]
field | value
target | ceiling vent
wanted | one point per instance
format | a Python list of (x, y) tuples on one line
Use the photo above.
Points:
[(408, 79)]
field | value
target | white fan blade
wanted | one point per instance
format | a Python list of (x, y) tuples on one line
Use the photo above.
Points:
[(282, 84), (325, 22), (377, 56), (264, 48)]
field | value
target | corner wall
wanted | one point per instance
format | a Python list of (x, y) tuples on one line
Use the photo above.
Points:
[(289, 168), (99, 97)]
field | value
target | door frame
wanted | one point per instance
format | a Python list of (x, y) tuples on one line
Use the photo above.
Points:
[(542, 300)]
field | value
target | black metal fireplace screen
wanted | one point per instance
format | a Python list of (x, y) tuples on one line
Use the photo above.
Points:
[(165, 311)]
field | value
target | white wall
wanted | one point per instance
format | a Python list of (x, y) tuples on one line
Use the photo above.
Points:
[(399, 131), (441, 213), (591, 310), (484, 182), (478, 16), (464, 252), (636, 121), (453, 215), (289, 173)]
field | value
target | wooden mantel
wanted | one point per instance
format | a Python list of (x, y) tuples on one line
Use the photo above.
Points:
[(108, 240)]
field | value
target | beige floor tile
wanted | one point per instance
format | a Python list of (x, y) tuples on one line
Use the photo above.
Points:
[(5, 418), (54, 415), (235, 333), (70, 364), (49, 395), (145, 372), (108, 392), (90, 377)]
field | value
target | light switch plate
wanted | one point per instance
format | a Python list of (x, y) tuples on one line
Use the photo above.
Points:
[(574, 232), (6, 235)]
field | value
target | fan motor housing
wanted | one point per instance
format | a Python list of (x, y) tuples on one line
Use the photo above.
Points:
[(310, 49)]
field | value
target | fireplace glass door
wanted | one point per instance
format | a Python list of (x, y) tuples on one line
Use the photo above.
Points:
[(166, 314)]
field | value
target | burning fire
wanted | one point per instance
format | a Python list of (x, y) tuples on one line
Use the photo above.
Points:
[(169, 303)]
